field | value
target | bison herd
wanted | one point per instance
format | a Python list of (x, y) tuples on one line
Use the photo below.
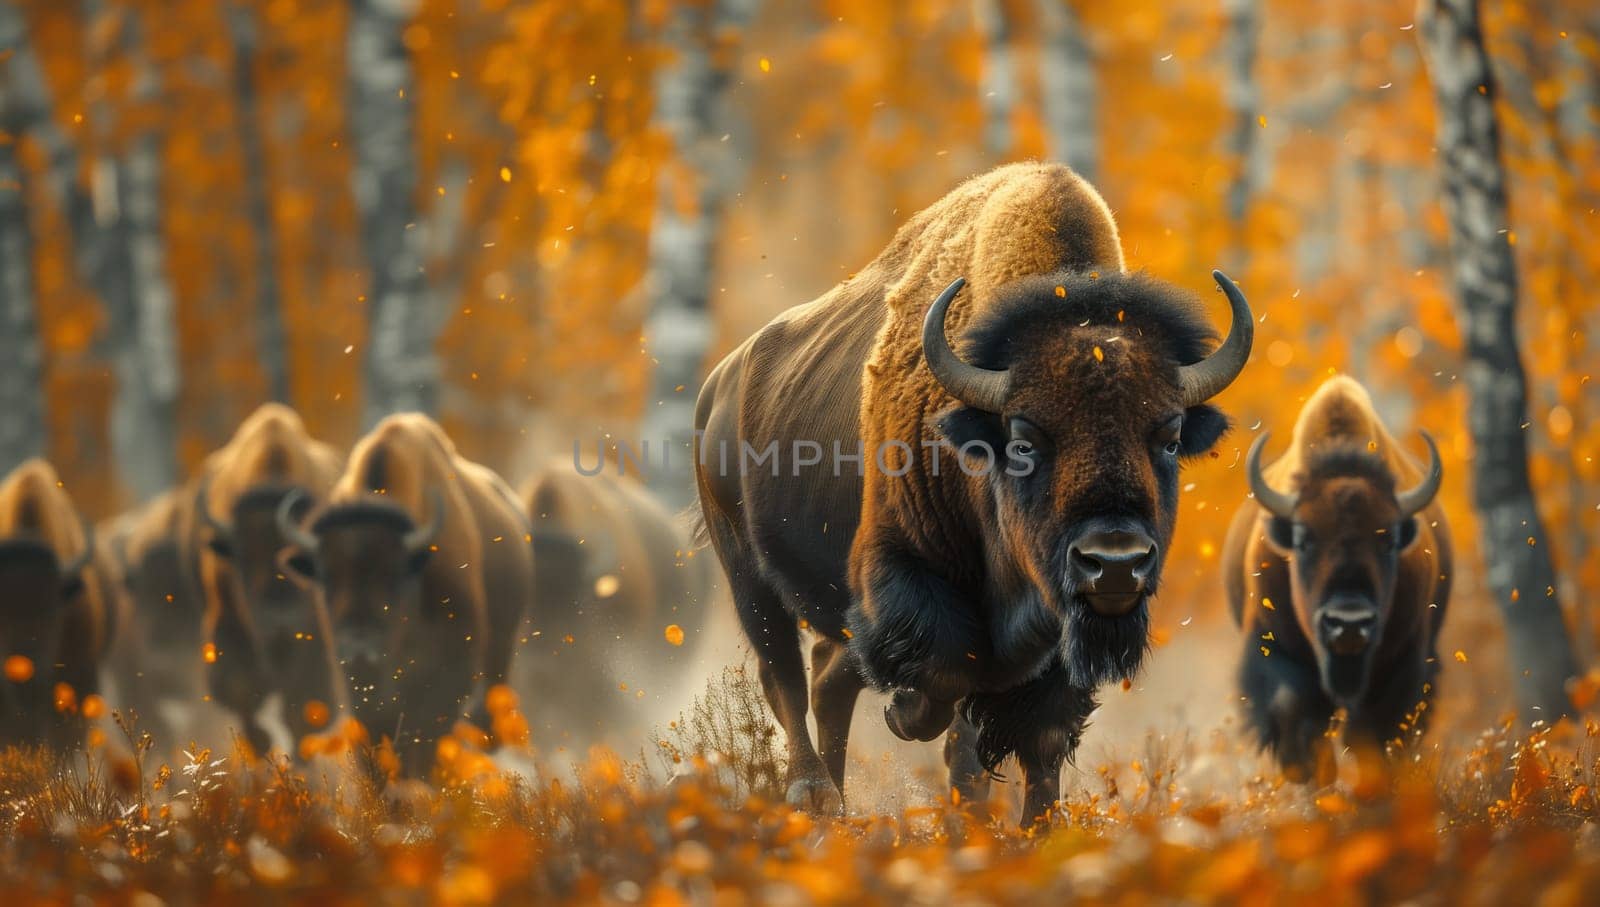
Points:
[(393, 585), (1008, 410)]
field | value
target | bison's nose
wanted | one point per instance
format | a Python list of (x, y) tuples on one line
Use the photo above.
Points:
[(1347, 631), (1112, 569)]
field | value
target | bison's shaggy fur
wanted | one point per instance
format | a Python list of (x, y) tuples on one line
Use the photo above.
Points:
[(917, 576), (57, 614), (1346, 540)]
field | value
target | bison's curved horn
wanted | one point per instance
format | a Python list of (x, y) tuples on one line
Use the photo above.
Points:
[(1275, 502), (1206, 378), (1421, 496), (71, 569), (423, 536), (202, 504), (289, 528), (980, 388)]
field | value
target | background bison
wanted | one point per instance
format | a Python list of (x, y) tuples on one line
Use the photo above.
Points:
[(266, 633), (1013, 588), (423, 561), (57, 617), (613, 570), (1339, 572)]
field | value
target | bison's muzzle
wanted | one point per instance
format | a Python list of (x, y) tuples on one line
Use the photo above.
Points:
[(1347, 627), (1112, 569)]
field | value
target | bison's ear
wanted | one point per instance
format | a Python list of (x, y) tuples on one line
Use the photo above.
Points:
[(419, 559), (1280, 533), (1408, 533), (1203, 425), (963, 425)]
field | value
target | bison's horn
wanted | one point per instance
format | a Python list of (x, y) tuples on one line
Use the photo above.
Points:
[(423, 536), (289, 528), (1421, 496), (1206, 378), (1276, 503), (980, 388), (202, 504), (72, 569)]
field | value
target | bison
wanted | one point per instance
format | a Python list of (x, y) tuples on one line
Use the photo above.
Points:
[(263, 633), (156, 661), (1339, 574), (424, 564), (979, 524), (613, 569), (56, 615)]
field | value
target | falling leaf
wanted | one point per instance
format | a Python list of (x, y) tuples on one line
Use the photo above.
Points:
[(674, 634), (19, 668)]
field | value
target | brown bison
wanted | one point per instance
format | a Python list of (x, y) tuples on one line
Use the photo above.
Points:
[(156, 661), (56, 616), (1339, 573), (982, 527), (263, 633), (612, 569), (423, 561)]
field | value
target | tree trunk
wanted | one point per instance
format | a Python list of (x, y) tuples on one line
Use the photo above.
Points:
[(692, 108), (1067, 84), (1243, 97), (270, 335), (402, 369), (22, 428), (126, 192), (1517, 553), (998, 87)]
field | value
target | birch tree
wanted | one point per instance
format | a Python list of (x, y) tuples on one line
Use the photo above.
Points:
[(116, 238), (270, 336), (1243, 97), (1516, 549), (693, 109), (1067, 84), (133, 284), (998, 86), (22, 427), (400, 364)]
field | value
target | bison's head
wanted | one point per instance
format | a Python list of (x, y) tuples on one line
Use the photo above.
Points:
[(39, 592), (1343, 532), (366, 560), (1090, 390), (246, 548)]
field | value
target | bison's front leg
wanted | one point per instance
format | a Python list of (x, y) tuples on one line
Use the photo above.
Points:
[(1288, 713), (912, 636), (1040, 721)]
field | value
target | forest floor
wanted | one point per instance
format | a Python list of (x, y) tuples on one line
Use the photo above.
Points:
[(1165, 802)]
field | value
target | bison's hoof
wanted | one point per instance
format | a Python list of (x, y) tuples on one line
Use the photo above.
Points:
[(913, 716), (815, 795)]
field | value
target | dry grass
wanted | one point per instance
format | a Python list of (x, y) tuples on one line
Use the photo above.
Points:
[(1500, 819)]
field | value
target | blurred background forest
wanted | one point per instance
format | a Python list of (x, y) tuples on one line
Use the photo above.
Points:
[(543, 221)]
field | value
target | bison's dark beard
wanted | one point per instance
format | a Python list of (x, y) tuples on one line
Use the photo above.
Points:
[(1096, 649)]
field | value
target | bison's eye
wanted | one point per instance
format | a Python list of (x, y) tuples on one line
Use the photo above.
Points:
[(1169, 437), (1025, 447)]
